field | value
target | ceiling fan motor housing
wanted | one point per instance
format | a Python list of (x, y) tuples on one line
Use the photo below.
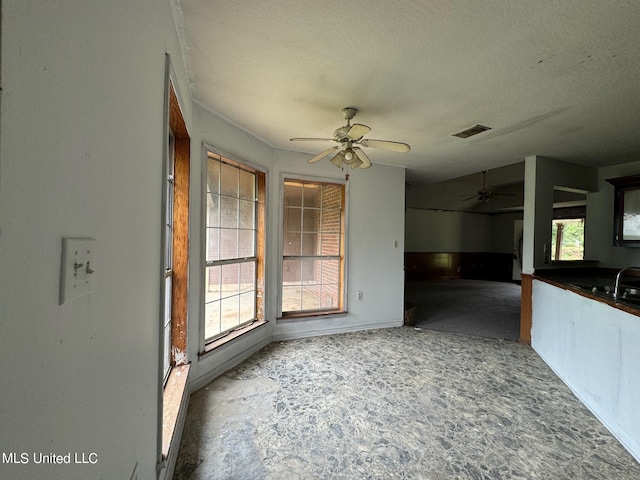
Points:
[(349, 112), (340, 135)]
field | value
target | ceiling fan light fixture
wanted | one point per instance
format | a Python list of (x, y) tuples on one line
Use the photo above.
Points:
[(338, 159), (349, 156)]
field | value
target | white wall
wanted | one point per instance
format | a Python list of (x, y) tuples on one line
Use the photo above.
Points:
[(593, 348), (502, 231), (442, 231), (542, 174), (599, 226), (81, 155)]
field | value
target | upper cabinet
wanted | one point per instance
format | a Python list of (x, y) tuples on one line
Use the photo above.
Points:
[(626, 214)]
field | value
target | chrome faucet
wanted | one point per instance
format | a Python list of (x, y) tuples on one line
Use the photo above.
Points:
[(618, 275)]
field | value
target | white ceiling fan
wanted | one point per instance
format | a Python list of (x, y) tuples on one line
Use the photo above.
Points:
[(349, 138), (484, 194)]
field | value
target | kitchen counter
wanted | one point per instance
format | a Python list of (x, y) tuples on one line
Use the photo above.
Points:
[(591, 342), (596, 284)]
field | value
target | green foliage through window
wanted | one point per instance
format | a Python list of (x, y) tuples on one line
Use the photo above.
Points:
[(567, 239)]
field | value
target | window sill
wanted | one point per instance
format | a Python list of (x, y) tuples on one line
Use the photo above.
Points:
[(210, 347), (313, 315), (173, 396)]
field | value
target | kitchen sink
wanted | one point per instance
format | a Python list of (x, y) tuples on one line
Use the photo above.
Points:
[(601, 289), (628, 295)]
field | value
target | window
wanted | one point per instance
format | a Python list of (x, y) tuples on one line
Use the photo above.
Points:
[(168, 254), (175, 238), (567, 239), (313, 258), (234, 263)]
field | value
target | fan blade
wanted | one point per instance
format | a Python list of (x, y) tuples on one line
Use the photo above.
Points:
[(386, 145), (366, 163), (311, 139), (357, 130), (469, 197), (356, 162), (321, 155)]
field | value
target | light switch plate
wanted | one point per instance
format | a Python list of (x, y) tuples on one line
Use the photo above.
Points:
[(77, 267)]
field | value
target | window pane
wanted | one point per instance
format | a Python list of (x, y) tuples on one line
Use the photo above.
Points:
[(212, 325), (245, 243), (332, 197), (228, 212), (247, 307), (292, 219), (330, 272), (230, 280), (329, 296), (330, 244), (311, 297), (330, 221), (310, 220), (228, 180), (247, 185), (228, 244), (213, 176), (291, 298), (293, 194), (247, 214), (247, 276), (167, 324), (213, 210), (309, 270), (311, 195), (213, 277), (291, 272), (230, 312), (310, 244), (213, 244), (567, 239), (292, 243)]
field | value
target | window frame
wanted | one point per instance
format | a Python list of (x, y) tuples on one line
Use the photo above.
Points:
[(174, 250), (207, 345), (342, 309)]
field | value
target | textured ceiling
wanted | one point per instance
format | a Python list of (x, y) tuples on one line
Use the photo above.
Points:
[(553, 78)]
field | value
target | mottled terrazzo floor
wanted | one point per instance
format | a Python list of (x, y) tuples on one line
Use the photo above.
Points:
[(395, 404)]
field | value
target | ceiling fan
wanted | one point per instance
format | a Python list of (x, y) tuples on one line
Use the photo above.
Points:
[(349, 138), (484, 194)]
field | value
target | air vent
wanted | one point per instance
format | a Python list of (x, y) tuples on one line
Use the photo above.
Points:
[(471, 131)]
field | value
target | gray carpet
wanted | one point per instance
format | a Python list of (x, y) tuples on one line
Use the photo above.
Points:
[(472, 307)]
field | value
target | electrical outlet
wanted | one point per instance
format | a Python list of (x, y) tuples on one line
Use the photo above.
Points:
[(359, 295)]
